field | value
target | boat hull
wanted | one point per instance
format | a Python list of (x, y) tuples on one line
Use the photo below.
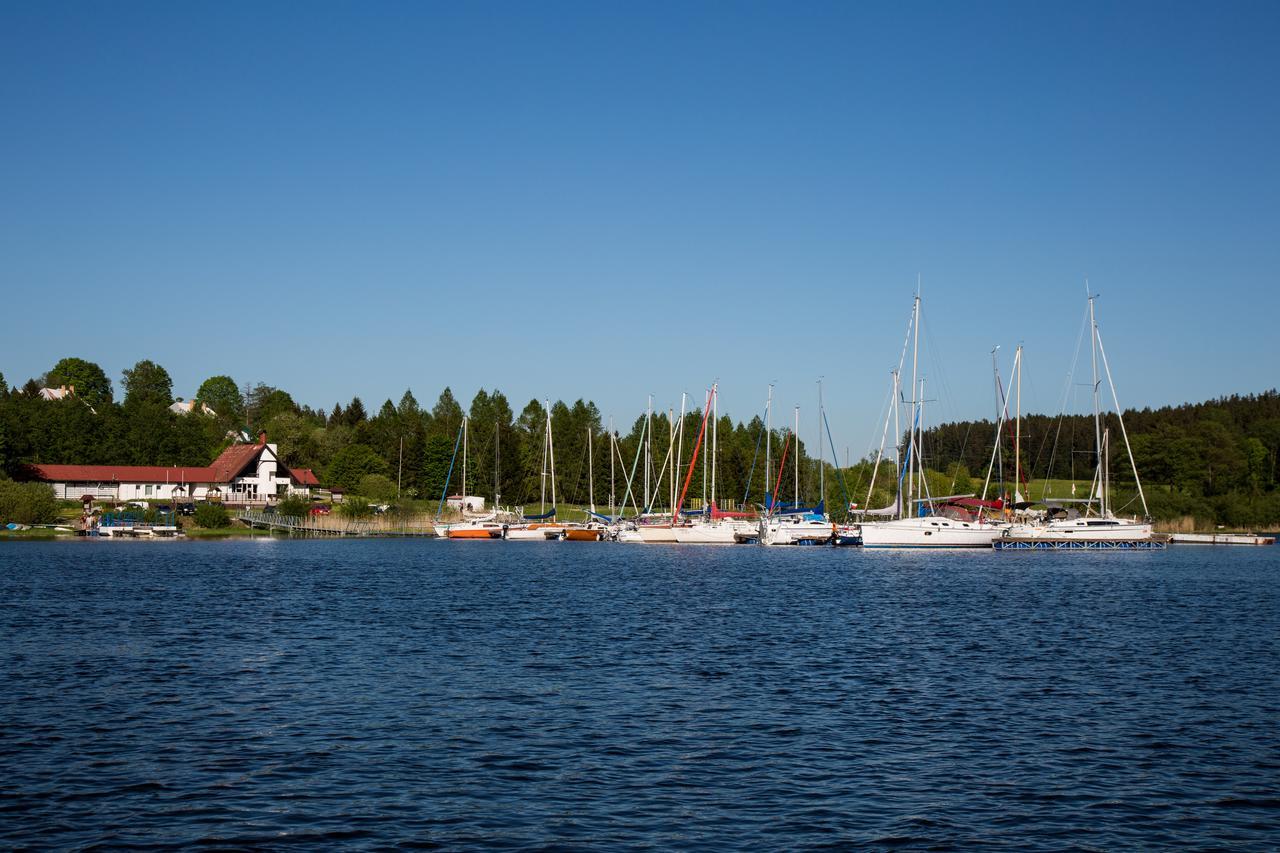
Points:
[(710, 534), (650, 535), (929, 532)]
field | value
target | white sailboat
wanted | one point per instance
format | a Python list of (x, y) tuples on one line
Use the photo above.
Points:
[(915, 530), (536, 529), (1100, 525)]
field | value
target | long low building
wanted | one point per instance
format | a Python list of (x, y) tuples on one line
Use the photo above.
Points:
[(243, 474)]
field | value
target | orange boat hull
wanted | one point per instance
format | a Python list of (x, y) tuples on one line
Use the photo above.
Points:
[(475, 534), (582, 535)]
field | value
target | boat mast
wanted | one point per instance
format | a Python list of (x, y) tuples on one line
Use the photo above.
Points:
[(591, 471), (768, 445), (822, 473), (715, 438), (464, 462), (912, 462), (897, 440), (1115, 398), (551, 452), (613, 446), (496, 457), (1097, 406), (648, 451), (543, 499), (678, 437), (798, 455), (1017, 432)]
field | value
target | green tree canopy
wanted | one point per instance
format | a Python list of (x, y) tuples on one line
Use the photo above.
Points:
[(377, 487), (148, 382), (353, 462), (89, 380), (221, 394)]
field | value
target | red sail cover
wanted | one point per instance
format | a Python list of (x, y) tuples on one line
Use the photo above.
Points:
[(717, 512), (974, 503)]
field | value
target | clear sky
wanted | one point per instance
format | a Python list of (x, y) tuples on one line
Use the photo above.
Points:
[(605, 200)]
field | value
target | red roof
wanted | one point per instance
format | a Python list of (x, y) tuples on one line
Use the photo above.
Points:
[(229, 465), (122, 473)]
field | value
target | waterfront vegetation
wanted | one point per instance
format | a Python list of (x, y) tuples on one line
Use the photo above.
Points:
[(1214, 462)]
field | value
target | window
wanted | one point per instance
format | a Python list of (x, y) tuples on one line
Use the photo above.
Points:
[(149, 490)]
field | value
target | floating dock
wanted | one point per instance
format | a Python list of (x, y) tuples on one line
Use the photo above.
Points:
[(1080, 545), (1222, 539)]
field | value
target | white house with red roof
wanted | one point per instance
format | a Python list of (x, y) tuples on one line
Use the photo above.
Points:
[(245, 474)]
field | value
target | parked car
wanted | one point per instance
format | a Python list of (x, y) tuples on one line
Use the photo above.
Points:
[(320, 509), (186, 509)]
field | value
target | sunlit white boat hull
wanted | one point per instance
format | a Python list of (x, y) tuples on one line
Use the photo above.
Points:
[(1083, 530), (656, 534), (787, 532), (715, 533), (929, 532)]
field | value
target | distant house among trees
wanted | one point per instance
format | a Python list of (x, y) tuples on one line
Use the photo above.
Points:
[(186, 407), (243, 474)]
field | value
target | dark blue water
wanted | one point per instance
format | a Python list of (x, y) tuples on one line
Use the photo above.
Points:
[(607, 696)]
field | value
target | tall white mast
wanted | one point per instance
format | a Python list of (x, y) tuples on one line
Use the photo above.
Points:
[(914, 462), (822, 472), (591, 471), (1017, 432), (648, 451), (715, 438), (546, 432), (678, 437), (897, 442), (551, 451), (464, 461), (1097, 405), (797, 434), (612, 446), (768, 442)]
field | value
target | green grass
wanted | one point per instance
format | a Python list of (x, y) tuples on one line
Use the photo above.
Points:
[(224, 532), (33, 533)]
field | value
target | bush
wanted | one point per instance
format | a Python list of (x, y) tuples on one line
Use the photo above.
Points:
[(355, 508), (212, 516), (27, 503), (378, 487), (294, 506)]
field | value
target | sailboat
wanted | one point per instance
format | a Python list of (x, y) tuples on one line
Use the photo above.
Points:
[(714, 526), (482, 526), (660, 528), (924, 528), (591, 531), (795, 525), (536, 527), (1067, 528)]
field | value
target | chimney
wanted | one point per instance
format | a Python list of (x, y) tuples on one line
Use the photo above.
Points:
[(262, 438)]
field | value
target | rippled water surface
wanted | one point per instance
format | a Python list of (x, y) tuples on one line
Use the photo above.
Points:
[(375, 693)]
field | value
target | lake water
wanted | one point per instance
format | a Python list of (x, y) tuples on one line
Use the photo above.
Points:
[(605, 696)]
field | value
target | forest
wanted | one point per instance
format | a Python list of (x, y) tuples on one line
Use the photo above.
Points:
[(1215, 461)]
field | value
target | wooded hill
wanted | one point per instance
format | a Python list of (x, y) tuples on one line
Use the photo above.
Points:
[(1214, 460)]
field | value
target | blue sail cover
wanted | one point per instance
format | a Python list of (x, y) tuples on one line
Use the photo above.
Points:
[(606, 519), (796, 509), (542, 517), (694, 511)]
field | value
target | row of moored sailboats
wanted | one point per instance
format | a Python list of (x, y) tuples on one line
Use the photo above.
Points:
[(916, 518)]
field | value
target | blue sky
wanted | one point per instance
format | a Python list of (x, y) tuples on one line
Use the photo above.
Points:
[(604, 200)]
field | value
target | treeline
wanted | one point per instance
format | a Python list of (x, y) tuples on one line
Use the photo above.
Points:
[(399, 446), (1216, 460)]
